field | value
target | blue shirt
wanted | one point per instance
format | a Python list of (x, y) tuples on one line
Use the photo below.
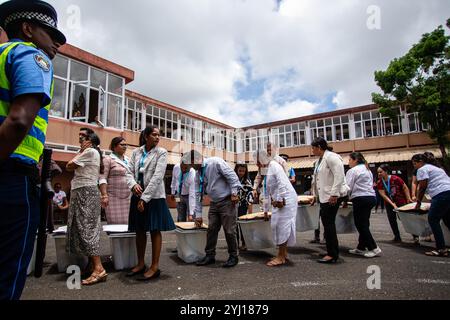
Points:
[(29, 71)]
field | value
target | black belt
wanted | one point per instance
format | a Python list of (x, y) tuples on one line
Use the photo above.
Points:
[(15, 166)]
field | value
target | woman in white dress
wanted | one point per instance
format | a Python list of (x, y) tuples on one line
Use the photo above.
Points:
[(280, 194)]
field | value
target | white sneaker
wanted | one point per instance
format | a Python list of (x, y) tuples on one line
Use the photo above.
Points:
[(357, 252), (372, 254)]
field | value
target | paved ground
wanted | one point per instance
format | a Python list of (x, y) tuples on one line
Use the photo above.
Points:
[(406, 273)]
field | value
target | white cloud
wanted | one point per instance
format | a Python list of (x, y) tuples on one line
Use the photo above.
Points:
[(189, 52)]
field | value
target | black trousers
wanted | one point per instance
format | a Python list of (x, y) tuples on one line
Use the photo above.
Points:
[(328, 215), (362, 208), (392, 216)]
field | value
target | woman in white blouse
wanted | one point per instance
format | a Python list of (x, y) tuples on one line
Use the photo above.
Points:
[(360, 181), (84, 223), (330, 187), (280, 194)]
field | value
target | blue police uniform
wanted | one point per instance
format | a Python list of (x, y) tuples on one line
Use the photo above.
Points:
[(24, 69), (19, 194)]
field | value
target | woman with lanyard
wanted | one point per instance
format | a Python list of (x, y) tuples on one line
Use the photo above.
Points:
[(281, 196), (330, 188), (437, 183), (395, 193), (116, 195), (148, 209), (245, 198), (360, 181)]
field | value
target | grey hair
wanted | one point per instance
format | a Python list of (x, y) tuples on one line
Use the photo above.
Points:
[(262, 157), (192, 157)]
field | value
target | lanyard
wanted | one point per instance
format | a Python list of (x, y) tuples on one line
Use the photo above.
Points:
[(124, 159), (180, 187), (265, 185), (141, 164), (202, 179), (316, 170), (388, 186)]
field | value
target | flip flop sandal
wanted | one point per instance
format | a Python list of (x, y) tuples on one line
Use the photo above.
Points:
[(437, 253)]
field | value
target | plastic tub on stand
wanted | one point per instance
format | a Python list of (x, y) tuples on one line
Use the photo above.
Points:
[(123, 246), (191, 241), (256, 232), (345, 223), (64, 259), (413, 221), (307, 218)]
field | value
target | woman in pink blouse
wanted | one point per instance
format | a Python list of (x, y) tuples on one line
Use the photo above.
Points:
[(113, 184)]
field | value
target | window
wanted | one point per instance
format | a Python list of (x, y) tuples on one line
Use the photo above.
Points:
[(113, 117), (78, 71), (115, 84), (98, 79), (58, 107), (60, 66), (373, 124)]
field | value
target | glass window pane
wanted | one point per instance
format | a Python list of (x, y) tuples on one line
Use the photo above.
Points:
[(346, 131), (328, 122), (155, 112), (366, 115), (281, 129), (288, 139), (344, 119), (79, 102), (295, 127), (58, 107), (302, 138), (412, 122), (329, 134), (358, 117), (302, 125), (296, 139), (149, 109), (98, 79), (320, 123), (115, 84), (162, 114), (338, 133), (162, 127), (337, 120), (288, 128), (60, 66), (312, 124), (368, 129), (114, 107), (358, 130), (78, 71)]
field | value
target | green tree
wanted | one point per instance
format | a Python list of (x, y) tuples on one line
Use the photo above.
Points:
[(420, 80)]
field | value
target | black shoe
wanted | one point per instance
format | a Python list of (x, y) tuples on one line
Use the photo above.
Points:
[(156, 275), (327, 261), (232, 261), (206, 261), (396, 240), (175, 250), (132, 274), (315, 241)]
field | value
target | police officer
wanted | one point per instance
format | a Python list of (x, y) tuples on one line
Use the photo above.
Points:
[(26, 88)]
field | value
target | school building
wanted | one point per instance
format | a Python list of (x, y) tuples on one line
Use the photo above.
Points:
[(92, 92)]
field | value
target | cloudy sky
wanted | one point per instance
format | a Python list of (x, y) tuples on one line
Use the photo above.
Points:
[(244, 62)]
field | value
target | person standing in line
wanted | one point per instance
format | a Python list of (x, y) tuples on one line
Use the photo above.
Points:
[(437, 183), (281, 196), (84, 220), (215, 178), (116, 195), (330, 188), (183, 191), (396, 194), (245, 194), (148, 209), (360, 181)]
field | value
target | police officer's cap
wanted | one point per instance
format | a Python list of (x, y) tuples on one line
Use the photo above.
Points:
[(34, 10)]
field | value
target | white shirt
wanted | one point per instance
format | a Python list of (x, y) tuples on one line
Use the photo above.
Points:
[(438, 180), (329, 177), (277, 187), (88, 172), (187, 188), (360, 181)]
